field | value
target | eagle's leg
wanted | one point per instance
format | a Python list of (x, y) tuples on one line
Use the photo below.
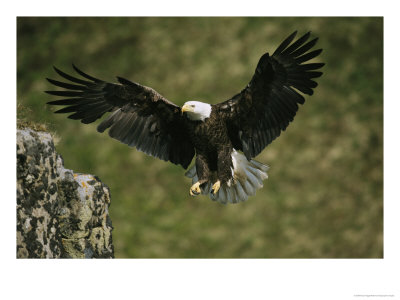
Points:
[(215, 187), (195, 189), (225, 169), (203, 173)]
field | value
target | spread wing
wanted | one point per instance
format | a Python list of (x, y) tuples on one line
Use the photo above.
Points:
[(140, 117), (258, 114)]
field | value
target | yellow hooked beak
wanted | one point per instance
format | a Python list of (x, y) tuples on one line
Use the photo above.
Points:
[(187, 108)]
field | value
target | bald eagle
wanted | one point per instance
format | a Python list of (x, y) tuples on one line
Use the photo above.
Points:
[(224, 137)]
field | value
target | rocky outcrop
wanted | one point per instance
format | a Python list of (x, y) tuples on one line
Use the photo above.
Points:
[(60, 214)]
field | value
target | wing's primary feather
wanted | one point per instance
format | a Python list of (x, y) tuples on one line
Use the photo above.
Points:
[(257, 115), (140, 117)]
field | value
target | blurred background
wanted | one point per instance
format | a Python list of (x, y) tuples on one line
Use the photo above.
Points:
[(324, 195)]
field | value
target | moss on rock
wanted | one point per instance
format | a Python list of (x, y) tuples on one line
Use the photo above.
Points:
[(59, 213)]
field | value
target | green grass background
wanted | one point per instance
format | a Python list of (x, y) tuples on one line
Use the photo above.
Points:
[(324, 196)]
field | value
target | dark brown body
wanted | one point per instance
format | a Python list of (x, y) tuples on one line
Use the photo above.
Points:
[(213, 148)]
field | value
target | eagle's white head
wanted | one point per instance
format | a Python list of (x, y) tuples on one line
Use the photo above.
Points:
[(197, 111)]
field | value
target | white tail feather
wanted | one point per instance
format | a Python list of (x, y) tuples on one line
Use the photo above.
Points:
[(248, 178)]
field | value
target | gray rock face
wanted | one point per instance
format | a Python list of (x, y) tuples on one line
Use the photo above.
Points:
[(60, 214)]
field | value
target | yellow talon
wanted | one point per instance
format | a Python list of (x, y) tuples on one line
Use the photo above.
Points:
[(215, 187), (195, 189)]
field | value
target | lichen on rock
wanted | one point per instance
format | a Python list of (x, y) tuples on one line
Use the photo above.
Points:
[(60, 214)]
